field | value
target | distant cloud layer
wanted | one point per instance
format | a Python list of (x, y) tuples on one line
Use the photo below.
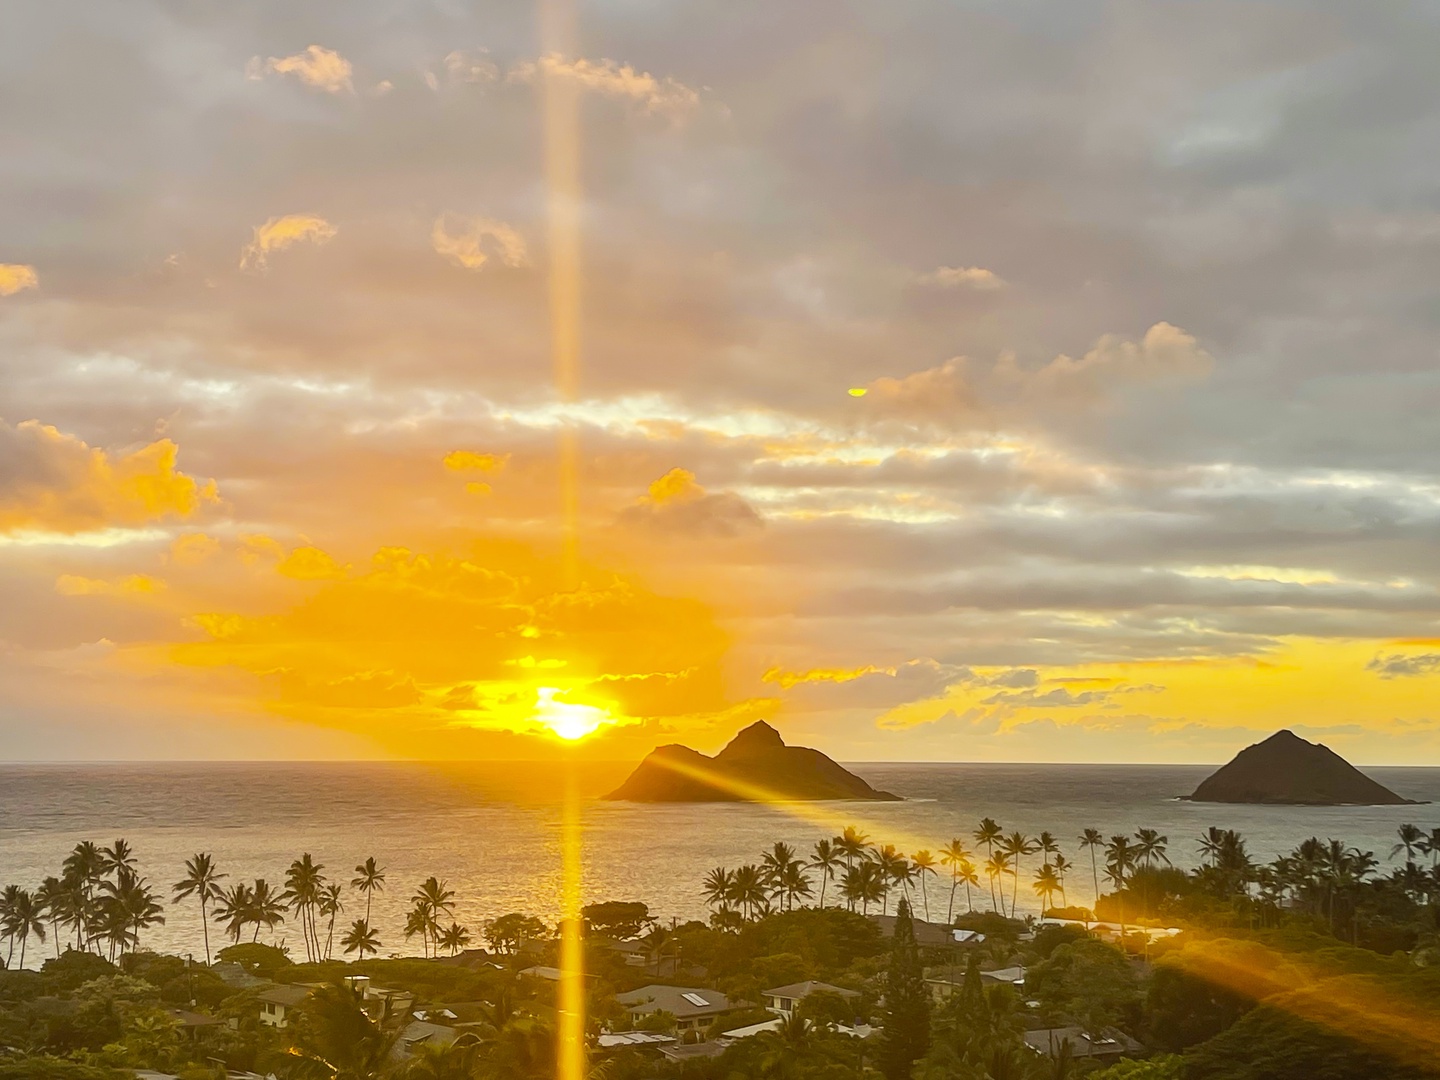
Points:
[(993, 381)]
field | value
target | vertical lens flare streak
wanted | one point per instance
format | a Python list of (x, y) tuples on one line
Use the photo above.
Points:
[(572, 955), (562, 175)]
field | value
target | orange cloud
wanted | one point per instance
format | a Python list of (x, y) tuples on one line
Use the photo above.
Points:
[(468, 460), (464, 241), (189, 549), (319, 67), (310, 564), (17, 276), (132, 585), (429, 646), (957, 277), (279, 233), (53, 482), (666, 96)]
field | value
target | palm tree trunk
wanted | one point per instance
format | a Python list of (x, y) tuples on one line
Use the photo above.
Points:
[(950, 912), (205, 926)]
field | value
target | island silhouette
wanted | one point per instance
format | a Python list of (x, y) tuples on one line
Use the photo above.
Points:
[(1286, 770), (756, 766)]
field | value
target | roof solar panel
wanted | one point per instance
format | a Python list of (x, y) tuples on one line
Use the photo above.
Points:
[(695, 999)]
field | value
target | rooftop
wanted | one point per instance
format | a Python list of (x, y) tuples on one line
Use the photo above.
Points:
[(679, 1001), (808, 987)]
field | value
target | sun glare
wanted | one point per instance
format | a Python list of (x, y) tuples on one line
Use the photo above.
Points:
[(567, 720)]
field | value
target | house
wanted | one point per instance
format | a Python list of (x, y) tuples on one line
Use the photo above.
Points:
[(379, 1001), (419, 1033), (1011, 976), (683, 1052), (694, 1008), (633, 953), (1105, 1048), (783, 999), (610, 1040), (278, 1002), (928, 935), (193, 1023)]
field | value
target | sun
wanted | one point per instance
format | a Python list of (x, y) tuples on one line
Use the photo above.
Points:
[(567, 720)]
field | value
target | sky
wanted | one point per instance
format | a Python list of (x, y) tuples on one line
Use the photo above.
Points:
[(1018, 380)]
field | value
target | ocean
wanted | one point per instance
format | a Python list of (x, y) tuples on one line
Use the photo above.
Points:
[(491, 830)]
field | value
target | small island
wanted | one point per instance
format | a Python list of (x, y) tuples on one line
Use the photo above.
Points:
[(1286, 770), (756, 766)]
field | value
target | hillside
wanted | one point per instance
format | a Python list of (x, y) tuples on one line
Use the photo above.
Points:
[(756, 766), (1287, 770)]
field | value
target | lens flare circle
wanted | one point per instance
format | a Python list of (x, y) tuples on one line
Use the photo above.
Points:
[(566, 719)]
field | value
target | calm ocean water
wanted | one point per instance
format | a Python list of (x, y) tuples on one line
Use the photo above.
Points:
[(483, 828)]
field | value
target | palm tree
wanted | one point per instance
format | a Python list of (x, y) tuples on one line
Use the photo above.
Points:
[(233, 909), (1412, 838), (1062, 866), (922, 862), (369, 879), (417, 921), (303, 882), (1049, 845), (203, 882), (953, 855), (827, 859), (1092, 839), (852, 843), (20, 917), (360, 938), (267, 908), (339, 1040), (118, 856), (1151, 846), (331, 903), (127, 906), (1119, 861), (52, 899), (748, 889), (894, 869), (436, 899), (84, 867), (989, 833), (971, 879), (996, 866), (1046, 886), (719, 885), (1432, 846), (1017, 845), (782, 870), (454, 937)]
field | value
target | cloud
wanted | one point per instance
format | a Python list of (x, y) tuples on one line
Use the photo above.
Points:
[(317, 66), (53, 482), (676, 502), (191, 549), (470, 67), (1401, 666), (958, 277), (1165, 351), (279, 233), (17, 276), (939, 392), (310, 564), (470, 461), (665, 97), (462, 641), (131, 585), (464, 241)]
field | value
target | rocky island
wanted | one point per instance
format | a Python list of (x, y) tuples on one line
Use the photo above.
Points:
[(1286, 770), (756, 766)]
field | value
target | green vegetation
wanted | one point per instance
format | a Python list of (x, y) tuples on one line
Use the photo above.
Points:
[(1315, 965)]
